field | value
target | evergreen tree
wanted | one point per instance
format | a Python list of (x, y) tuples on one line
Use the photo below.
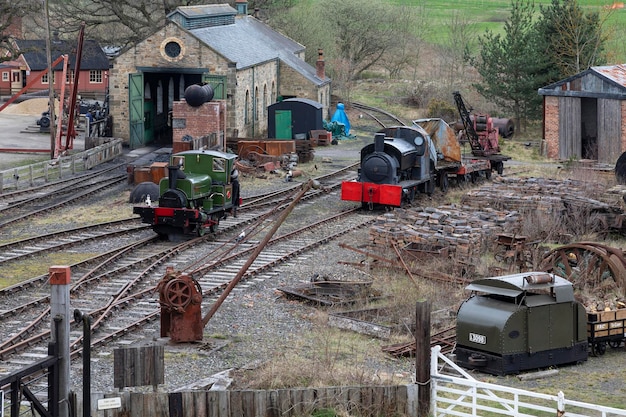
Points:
[(511, 68), (572, 39)]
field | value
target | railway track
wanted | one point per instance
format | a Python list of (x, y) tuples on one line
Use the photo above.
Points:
[(380, 116), (118, 293), (59, 198)]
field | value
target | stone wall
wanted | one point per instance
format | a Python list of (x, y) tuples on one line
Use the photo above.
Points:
[(150, 54), (257, 90)]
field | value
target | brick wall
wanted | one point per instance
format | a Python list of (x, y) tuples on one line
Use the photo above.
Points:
[(205, 124), (551, 121)]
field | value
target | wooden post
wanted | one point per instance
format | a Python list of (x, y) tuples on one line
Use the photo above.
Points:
[(60, 310), (422, 356)]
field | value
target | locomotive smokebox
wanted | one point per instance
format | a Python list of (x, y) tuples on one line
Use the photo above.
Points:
[(379, 142), (196, 95)]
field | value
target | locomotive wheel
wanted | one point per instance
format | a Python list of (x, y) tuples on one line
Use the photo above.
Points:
[(443, 182), (216, 219), (177, 294), (615, 343), (488, 174)]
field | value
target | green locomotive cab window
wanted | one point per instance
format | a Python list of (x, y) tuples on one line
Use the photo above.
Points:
[(179, 161), (219, 165)]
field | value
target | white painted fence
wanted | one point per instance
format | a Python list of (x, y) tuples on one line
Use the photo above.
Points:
[(457, 393)]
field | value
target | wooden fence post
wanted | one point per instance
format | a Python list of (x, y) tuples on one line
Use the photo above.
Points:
[(422, 356)]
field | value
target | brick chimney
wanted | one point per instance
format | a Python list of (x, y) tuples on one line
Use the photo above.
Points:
[(320, 71), (242, 7)]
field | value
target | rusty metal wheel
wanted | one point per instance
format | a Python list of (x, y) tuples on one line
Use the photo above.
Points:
[(177, 294), (588, 264)]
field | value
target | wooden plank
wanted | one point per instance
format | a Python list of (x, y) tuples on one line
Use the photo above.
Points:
[(284, 403), (273, 408), (236, 406), (175, 405), (136, 404)]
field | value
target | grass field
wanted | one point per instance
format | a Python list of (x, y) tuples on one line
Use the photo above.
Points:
[(491, 14)]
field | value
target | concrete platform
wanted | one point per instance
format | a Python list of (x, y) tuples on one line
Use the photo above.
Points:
[(20, 133)]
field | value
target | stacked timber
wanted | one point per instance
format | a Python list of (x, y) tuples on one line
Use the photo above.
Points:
[(465, 232)]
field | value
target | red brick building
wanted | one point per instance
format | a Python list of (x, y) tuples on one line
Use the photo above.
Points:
[(585, 115), (94, 66)]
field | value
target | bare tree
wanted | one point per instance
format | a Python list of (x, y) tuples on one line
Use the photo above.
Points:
[(411, 24), (458, 40), (11, 15), (113, 22)]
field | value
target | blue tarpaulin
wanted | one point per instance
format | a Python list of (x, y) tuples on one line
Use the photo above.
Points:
[(341, 117)]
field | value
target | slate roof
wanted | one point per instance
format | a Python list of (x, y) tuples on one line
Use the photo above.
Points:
[(249, 42), (34, 52)]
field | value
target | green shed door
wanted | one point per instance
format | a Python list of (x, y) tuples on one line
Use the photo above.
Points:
[(282, 118), (135, 111), (218, 82)]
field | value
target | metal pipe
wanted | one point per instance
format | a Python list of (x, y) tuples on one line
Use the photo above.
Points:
[(256, 253)]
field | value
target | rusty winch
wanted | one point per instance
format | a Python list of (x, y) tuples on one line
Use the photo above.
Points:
[(180, 297)]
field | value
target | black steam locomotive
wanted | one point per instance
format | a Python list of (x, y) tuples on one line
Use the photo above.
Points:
[(394, 169)]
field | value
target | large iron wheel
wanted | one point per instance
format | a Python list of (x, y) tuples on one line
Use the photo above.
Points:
[(587, 264), (177, 294)]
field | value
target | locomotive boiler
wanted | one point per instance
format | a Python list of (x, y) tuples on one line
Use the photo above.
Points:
[(201, 188), (399, 164), (520, 322)]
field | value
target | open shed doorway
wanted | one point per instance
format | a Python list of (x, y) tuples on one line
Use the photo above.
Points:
[(160, 90), (589, 128)]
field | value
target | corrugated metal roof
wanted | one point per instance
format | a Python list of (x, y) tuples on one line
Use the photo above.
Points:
[(249, 42), (615, 73)]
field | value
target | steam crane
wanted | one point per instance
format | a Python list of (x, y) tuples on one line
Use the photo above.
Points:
[(482, 135)]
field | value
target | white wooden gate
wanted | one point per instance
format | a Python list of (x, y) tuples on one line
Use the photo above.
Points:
[(457, 393)]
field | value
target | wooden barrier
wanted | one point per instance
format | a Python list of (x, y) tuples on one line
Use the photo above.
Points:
[(364, 401)]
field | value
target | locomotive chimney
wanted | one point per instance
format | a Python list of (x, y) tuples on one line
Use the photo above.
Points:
[(379, 142), (320, 65)]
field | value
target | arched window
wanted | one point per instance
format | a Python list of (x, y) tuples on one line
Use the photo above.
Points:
[(264, 101), (181, 86), (273, 96), (245, 108), (159, 97), (256, 103), (170, 94)]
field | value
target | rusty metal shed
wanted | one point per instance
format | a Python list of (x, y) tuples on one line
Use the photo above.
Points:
[(585, 115)]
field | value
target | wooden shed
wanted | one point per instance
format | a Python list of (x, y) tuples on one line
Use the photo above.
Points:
[(292, 117), (585, 115)]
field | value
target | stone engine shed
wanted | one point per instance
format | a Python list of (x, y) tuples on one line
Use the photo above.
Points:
[(248, 64), (585, 115)]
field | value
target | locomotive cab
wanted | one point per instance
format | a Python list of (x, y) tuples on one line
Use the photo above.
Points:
[(520, 322)]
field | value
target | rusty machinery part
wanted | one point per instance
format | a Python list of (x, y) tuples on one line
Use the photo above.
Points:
[(588, 264), (177, 293)]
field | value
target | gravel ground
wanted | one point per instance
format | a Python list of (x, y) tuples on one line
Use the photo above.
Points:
[(258, 326)]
